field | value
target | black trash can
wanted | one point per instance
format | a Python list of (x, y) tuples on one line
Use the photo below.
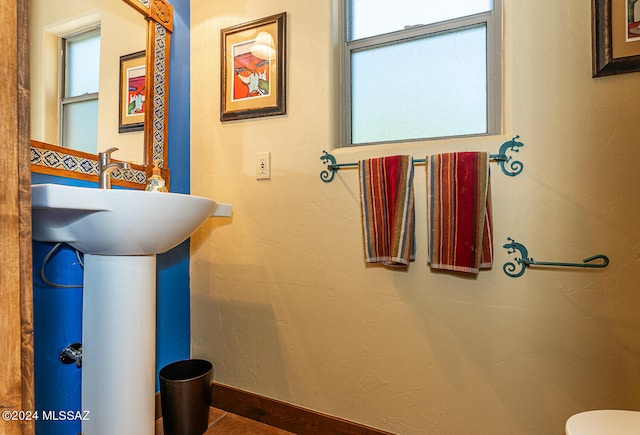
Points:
[(185, 393)]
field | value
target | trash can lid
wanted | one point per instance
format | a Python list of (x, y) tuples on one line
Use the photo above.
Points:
[(185, 369)]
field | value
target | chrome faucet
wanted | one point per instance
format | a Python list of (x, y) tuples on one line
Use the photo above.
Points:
[(106, 167)]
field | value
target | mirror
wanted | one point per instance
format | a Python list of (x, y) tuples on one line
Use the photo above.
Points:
[(126, 28), (48, 25)]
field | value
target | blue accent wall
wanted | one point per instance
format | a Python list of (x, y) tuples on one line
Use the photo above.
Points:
[(180, 99), (58, 312), (57, 322), (173, 303)]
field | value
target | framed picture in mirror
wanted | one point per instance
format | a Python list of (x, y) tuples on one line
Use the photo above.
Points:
[(132, 92), (253, 69)]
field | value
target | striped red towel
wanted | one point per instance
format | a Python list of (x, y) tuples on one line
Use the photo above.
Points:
[(388, 210), (459, 211)]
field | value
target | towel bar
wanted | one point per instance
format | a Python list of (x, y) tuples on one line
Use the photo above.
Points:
[(513, 169), (510, 268)]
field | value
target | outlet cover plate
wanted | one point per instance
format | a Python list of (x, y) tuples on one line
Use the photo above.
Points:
[(263, 166)]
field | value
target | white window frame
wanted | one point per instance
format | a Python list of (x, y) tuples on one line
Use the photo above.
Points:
[(63, 73), (493, 21)]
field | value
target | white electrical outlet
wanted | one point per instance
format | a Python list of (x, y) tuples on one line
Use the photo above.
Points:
[(263, 166)]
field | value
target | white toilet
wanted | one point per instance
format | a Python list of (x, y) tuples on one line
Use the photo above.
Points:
[(604, 422)]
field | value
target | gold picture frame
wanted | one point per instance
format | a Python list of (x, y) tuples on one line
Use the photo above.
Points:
[(133, 92), (253, 69), (615, 33)]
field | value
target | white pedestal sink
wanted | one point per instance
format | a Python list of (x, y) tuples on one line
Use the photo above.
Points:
[(120, 232), (604, 421)]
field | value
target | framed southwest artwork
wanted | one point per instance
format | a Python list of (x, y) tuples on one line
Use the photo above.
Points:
[(616, 36), (132, 91), (253, 69)]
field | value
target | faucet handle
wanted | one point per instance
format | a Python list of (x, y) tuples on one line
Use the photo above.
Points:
[(108, 151), (105, 156)]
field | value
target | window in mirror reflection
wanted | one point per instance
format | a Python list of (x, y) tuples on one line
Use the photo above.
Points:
[(80, 78)]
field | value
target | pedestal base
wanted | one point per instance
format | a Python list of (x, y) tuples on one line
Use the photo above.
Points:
[(118, 345)]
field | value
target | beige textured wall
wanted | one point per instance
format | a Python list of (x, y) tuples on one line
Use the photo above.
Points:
[(123, 31), (284, 305)]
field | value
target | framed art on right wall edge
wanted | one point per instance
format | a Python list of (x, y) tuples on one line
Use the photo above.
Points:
[(615, 32)]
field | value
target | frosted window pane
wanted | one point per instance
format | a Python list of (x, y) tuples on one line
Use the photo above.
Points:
[(81, 126), (430, 87), (83, 66), (375, 17)]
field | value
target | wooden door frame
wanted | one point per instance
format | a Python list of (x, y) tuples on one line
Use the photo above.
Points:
[(16, 287)]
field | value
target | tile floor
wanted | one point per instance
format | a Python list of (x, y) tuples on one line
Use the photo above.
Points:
[(222, 422)]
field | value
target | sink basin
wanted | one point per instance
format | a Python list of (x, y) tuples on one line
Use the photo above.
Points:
[(118, 222), (604, 421)]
